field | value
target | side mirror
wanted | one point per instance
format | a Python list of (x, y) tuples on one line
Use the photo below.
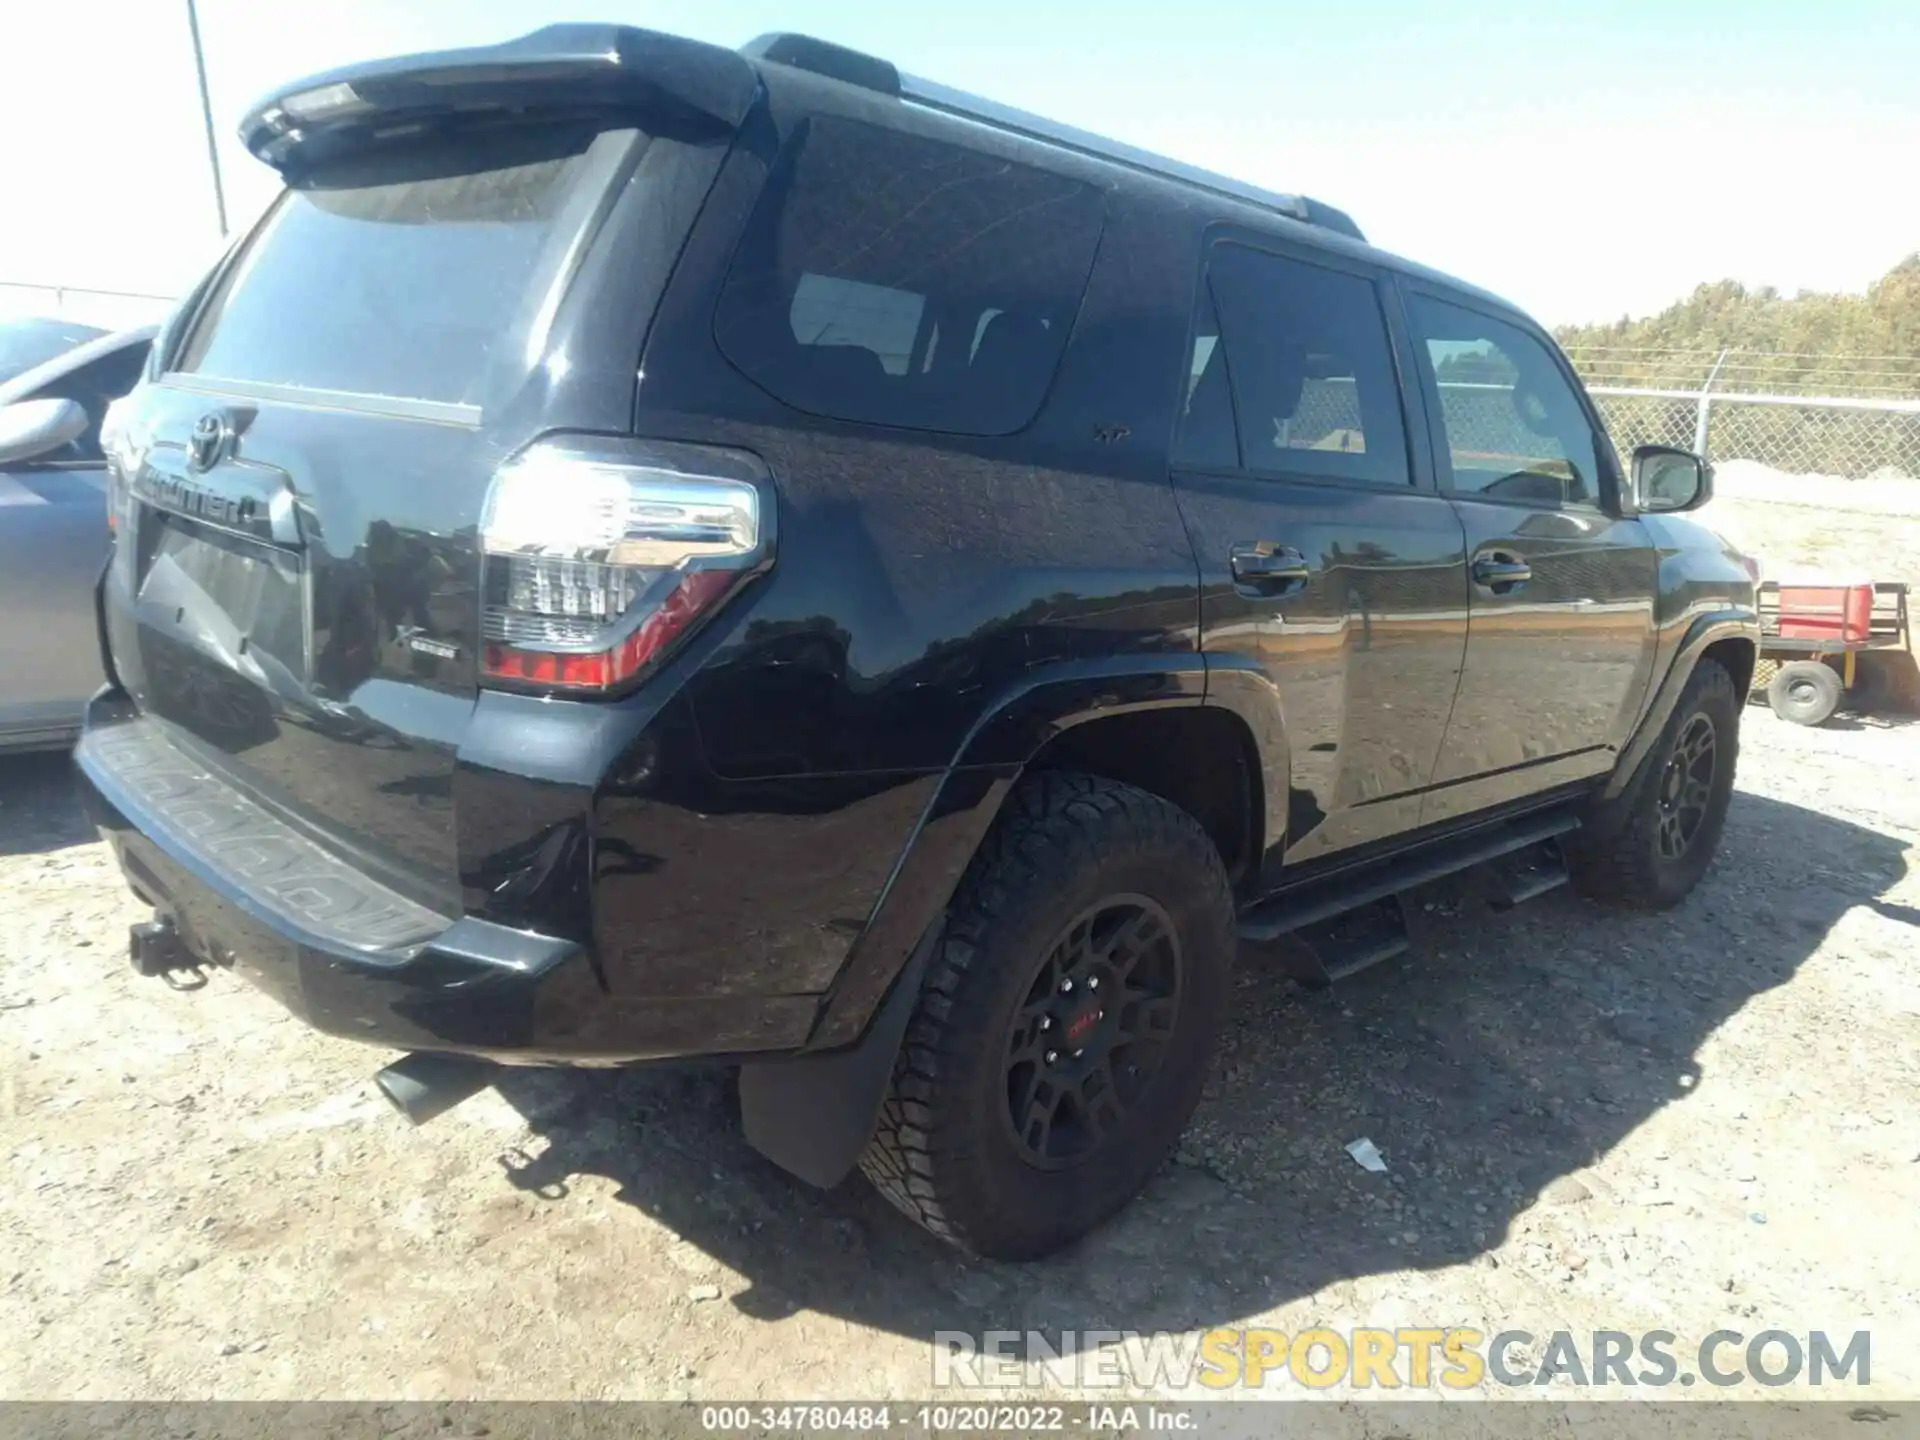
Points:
[(1666, 479), (32, 428)]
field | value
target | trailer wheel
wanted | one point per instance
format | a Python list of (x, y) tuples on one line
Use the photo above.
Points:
[(1807, 692)]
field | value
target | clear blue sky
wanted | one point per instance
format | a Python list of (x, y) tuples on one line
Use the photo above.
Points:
[(1586, 164)]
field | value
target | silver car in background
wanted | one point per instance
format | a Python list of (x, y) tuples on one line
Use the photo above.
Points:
[(53, 518)]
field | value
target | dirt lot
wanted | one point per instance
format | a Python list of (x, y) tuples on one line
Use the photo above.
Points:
[(1819, 522), (1592, 1120)]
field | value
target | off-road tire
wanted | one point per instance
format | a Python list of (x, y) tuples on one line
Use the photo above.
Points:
[(943, 1150), (1617, 857)]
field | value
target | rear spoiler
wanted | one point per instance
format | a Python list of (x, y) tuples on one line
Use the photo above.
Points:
[(571, 69)]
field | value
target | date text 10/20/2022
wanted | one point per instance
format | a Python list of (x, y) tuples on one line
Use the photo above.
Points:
[(941, 1419)]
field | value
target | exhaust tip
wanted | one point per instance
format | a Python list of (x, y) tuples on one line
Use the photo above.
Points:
[(424, 1085)]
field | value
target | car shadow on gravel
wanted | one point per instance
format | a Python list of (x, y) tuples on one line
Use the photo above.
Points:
[(1507, 1054), (39, 806)]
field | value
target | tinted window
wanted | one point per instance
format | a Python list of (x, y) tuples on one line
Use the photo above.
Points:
[(94, 386), (1207, 437), (1311, 369), (869, 244), (827, 311), (27, 343), (1515, 428), (393, 274)]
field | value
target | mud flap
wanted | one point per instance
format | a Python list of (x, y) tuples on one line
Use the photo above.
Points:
[(812, 1116)]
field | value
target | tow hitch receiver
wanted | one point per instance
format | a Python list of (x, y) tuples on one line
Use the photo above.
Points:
[(154, 947)]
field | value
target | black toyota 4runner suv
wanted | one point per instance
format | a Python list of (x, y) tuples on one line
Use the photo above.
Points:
[(650, 551)]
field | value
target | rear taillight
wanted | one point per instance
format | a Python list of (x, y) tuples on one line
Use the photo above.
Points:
[(602, 555)]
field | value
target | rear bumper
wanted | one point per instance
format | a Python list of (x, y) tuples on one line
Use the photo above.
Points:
[(352, 958)]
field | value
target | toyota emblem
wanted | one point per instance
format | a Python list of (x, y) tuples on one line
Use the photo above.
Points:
[(211, 438)]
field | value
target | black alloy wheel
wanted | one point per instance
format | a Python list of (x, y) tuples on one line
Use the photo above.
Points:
[(1686, 786), (1093, 1030)]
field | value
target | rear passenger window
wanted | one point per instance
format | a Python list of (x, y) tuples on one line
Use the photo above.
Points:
[(1309, 368), (868, 245), (1515, 428)]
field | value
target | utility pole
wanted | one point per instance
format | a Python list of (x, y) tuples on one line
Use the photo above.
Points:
[(206, 117), (1703, 404)]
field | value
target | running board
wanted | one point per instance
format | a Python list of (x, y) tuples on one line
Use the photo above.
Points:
[(1339, 894), (1331, 950), (1521, 876)]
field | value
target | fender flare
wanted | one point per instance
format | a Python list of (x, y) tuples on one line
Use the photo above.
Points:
[(1703, 632), (1046, 703), (811, 1113)]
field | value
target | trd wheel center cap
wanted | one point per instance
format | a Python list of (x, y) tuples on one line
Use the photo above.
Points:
[(1078, 1026)]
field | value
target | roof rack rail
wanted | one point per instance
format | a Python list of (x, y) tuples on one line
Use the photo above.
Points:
[(823, 57), (820, 57)]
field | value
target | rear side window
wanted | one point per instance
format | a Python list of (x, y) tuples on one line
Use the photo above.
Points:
[(391, 274), (1302, 353), (899, 281)]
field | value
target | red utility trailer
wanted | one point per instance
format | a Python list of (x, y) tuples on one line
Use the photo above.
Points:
[(1822, 638)]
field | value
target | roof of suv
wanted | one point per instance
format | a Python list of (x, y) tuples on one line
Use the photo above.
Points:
[(819, 57), (1306, 218), (616, 65)]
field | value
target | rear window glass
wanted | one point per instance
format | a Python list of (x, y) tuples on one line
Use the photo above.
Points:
[(392, 274), (869, 245)]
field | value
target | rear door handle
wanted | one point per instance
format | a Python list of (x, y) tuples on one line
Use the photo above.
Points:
[(1269, 569), (1500, 572)]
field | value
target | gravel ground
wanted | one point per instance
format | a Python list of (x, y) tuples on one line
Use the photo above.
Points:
[(1591, 1120), (1867, 528)]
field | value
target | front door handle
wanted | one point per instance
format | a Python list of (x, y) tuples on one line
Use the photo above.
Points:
[(1269, 569), (1501, 572)]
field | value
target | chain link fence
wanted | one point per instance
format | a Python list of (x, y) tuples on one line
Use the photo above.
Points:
[(1854, 417), (1479, 416), (1844, 436), (1862, 430)]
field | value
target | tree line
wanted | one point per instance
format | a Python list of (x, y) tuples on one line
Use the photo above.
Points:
[(1804, 341)]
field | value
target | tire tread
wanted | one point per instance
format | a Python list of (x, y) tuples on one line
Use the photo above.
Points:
[(1622, 866), (1052, 822)]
